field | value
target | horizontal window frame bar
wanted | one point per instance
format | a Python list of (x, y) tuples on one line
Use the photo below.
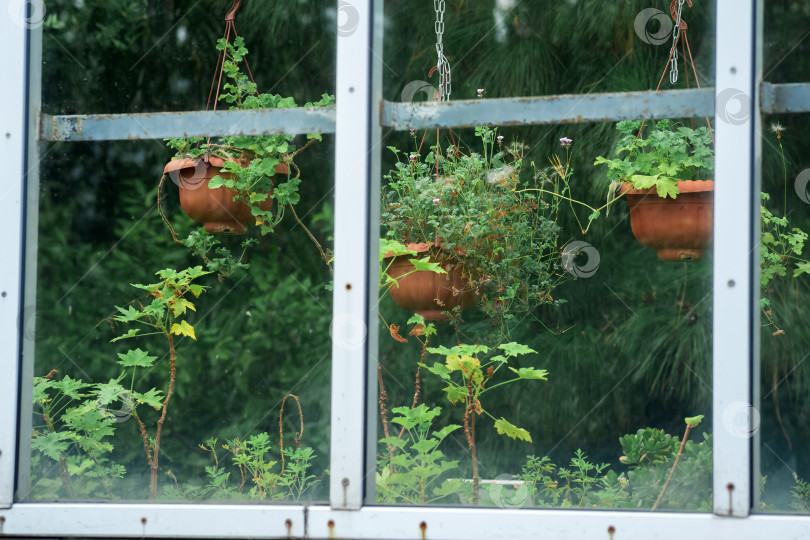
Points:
[(169, 520), (573, 108), (476, 523), (142, 520)]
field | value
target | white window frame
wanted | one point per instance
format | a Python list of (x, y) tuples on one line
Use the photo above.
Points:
[(357, 121)]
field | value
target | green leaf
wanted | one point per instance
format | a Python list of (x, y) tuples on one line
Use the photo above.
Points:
[(514, 349), (694, 420), (132, 333), (109, 391), (439, 369), (641, 181), (445, 431), (52, 444), (499, 359), (70, 387), (392, 248), (152, 398), (667, 188), (425, 446), (136, 358), (531, 373), (449, 487), (216, 182), (425, 264), (394, 441), (180, 305), (801, 268), (455, 393), (128, 315), (505, 428)]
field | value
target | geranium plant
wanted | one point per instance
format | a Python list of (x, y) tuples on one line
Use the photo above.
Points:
[(670, 152), (250, 161)]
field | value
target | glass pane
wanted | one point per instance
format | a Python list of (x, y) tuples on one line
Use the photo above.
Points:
[(781, 420), (197, 368), (560, 363)]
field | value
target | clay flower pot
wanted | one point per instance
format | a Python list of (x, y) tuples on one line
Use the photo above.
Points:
[(214, 208), (679, 229), (428, 293)]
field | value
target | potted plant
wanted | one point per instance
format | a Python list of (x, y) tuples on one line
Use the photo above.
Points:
[(429, 293), (665, 180), (481, 218), (231, 182)]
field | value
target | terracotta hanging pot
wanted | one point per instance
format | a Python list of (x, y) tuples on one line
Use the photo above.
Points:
[(214, 208), (429, 293), (679, 229)]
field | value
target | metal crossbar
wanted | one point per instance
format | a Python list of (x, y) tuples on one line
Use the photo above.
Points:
[(574, 108)]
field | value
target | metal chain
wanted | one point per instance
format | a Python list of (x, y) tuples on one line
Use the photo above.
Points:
[(442, 65), (676, 33)]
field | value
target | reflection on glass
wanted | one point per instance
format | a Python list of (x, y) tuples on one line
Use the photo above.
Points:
[(174, 360), (546, 344)]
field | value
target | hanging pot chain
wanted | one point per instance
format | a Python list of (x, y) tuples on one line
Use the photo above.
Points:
[(676, 33), (442, 65)]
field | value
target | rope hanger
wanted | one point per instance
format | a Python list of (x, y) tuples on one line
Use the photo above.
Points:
[(679, 31), (230, 24)]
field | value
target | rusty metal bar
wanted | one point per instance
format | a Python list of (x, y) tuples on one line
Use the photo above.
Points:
[(785, 98), (578, 108), (111, 127)]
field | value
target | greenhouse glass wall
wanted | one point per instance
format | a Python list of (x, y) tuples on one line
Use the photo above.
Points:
[(395, 269)]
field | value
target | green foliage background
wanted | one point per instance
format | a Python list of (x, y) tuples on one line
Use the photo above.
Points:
[(630, 348)]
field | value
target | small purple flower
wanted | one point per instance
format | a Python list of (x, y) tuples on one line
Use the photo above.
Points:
[(412, 157), (500, 139), (480, 92), (412, 133), (566, 142), (436, 202)]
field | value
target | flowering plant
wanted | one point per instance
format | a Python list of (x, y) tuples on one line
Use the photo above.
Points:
[(487, 212)]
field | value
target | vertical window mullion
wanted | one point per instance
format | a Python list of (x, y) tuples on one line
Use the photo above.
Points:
[(373, 181), (12, 155), (736, 257), (30, 250), (350, 325)]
